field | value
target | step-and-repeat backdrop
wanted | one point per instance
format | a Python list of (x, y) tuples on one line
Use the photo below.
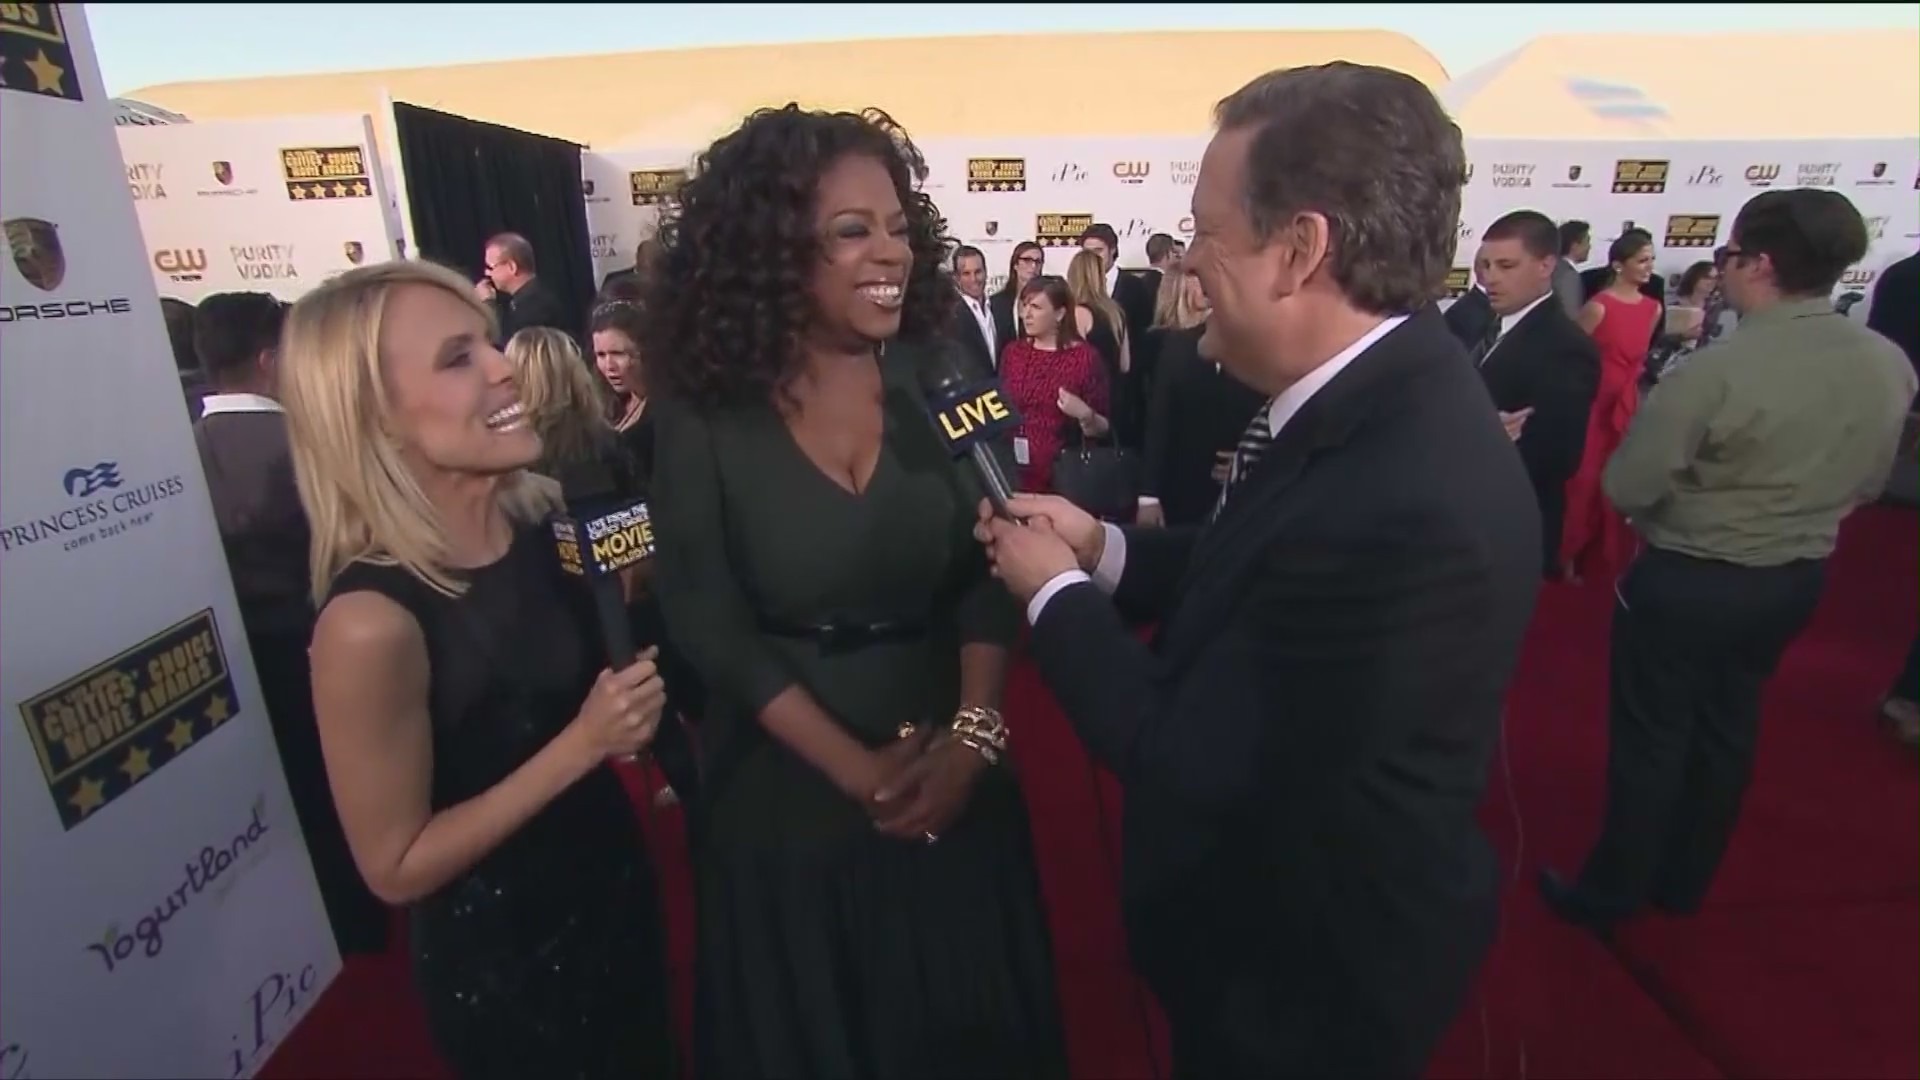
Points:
[(273, 206), (161, 917), (997, 193)]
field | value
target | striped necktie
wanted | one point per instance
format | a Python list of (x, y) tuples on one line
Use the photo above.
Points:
[(1246, 454)]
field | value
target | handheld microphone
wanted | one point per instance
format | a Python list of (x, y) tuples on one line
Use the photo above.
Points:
[(602, 533), (969, 413)]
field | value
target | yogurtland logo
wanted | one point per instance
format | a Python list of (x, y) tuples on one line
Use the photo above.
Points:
[(216, 868)]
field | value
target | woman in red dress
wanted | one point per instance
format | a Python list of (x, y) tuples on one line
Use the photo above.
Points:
[(1596, 542), (1055, 379)]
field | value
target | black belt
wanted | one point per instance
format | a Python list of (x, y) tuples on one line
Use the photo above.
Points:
[(840, 636)]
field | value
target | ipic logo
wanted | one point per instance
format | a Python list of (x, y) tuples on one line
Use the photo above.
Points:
[(1705, 176), (1069, 173), (273, 1008), (148, 934)]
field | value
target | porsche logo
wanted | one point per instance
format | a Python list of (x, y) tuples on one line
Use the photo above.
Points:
[(223, 172), (37, 253), (356, 254)]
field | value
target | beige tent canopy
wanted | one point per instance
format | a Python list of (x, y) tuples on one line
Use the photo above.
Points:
[(1134, 84), (1834, 85)]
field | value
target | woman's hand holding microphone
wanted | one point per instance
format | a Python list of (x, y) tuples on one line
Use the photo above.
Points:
[(622, 711)]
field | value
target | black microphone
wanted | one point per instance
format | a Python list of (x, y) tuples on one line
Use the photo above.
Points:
[(969, 413), (602, 533)]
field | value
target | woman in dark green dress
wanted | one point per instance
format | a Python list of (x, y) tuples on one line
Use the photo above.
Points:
[(868, 906)]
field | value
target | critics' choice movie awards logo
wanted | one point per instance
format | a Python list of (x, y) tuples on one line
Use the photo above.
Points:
[(1692, 230), (210, 871), (318, 173), (275, 1006), (35, 57), (41, 261), (1060, 230), (100, 733), (1513, 174), (1459, 280), (263, 262), (1640, 176), (996, 174), (651, 187)]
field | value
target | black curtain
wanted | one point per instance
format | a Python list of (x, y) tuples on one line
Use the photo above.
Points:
[(468, 180)]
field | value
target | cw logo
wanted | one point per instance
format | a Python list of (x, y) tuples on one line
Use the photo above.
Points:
[(180, 260), (1186, 226), (1762, 174), (1131, 172)]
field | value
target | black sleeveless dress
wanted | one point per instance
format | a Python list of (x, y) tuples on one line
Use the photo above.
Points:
[(546, 959)]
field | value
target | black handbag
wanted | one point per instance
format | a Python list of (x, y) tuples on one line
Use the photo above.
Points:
[(1100, 477)]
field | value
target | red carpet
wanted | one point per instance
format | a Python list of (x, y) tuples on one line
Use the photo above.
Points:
[(1805, 963)]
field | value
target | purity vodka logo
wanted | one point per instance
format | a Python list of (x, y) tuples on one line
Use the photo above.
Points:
[(147, 936)]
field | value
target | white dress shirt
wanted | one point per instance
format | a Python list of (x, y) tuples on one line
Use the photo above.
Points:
[(237, 403), (983, 317), (1113, 557), (1508, 322)]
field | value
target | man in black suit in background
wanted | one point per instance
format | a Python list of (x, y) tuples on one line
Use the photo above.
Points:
[(1305, 744), (1541, 369), (974, 325), (1132, 295), (513, 287)]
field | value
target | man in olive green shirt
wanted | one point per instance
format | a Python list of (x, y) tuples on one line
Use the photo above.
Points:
[(1736, 472)]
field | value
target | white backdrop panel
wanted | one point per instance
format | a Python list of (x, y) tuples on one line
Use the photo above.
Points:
[(161, 915), (258, 205)]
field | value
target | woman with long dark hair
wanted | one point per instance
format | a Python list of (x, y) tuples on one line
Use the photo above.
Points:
[(868, 905)]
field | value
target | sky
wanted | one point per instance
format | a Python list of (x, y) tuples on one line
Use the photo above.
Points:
[(145, 44)]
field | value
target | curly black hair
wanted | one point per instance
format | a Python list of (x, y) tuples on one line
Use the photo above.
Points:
[(724, 312)]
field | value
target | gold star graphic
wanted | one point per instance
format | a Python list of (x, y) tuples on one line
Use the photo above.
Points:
[(360, 188), (219, 709), (181, 734), (137, 764), (339, 191), (47, 75), (89, 796), (297, 191)]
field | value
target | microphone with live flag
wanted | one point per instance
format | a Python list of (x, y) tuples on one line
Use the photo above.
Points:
[(603, 533), (969, 413)]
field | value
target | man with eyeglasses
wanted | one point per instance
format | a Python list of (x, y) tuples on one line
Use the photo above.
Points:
[(519, 296), (1736, 472)]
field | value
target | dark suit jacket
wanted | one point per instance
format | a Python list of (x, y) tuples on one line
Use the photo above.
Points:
[(1195, 412), (965, 331), (1896, 307), (1547, 363), (1305, 745), (249, 468), (1136, 301), (1469, 317), (533, 305)]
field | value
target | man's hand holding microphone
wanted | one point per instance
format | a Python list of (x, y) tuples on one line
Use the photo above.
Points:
[(1046, 536)]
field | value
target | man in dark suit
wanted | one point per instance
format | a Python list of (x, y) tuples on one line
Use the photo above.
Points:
[(1305, 744), (974, 326), (513, 287), (1132, 295), (1163, 257), (244, 451), (1541, 369)]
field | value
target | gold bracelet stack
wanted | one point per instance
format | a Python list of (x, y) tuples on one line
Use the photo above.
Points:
[(981, 730)]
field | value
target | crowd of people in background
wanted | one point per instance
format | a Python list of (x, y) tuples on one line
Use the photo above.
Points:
[(823, 689)]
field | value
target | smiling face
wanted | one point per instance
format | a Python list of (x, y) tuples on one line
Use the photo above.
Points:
[(860, 283), (1637, 269), (451, 400)]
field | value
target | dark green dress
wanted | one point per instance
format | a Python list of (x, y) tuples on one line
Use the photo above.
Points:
[(826, 949)]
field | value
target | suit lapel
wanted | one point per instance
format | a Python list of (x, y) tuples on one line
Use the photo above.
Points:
[(1258, 509)]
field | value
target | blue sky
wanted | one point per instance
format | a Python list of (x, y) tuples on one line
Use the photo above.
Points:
[(144, 44)]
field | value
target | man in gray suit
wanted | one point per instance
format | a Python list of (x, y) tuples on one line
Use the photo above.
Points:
[(1576, 244)]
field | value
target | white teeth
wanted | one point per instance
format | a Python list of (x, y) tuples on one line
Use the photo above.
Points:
[(506, 419), (883, 295)]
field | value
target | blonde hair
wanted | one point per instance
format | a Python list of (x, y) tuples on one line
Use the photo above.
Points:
[(1087, 278), (1173, 307), (361, 500), (565, 401)]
